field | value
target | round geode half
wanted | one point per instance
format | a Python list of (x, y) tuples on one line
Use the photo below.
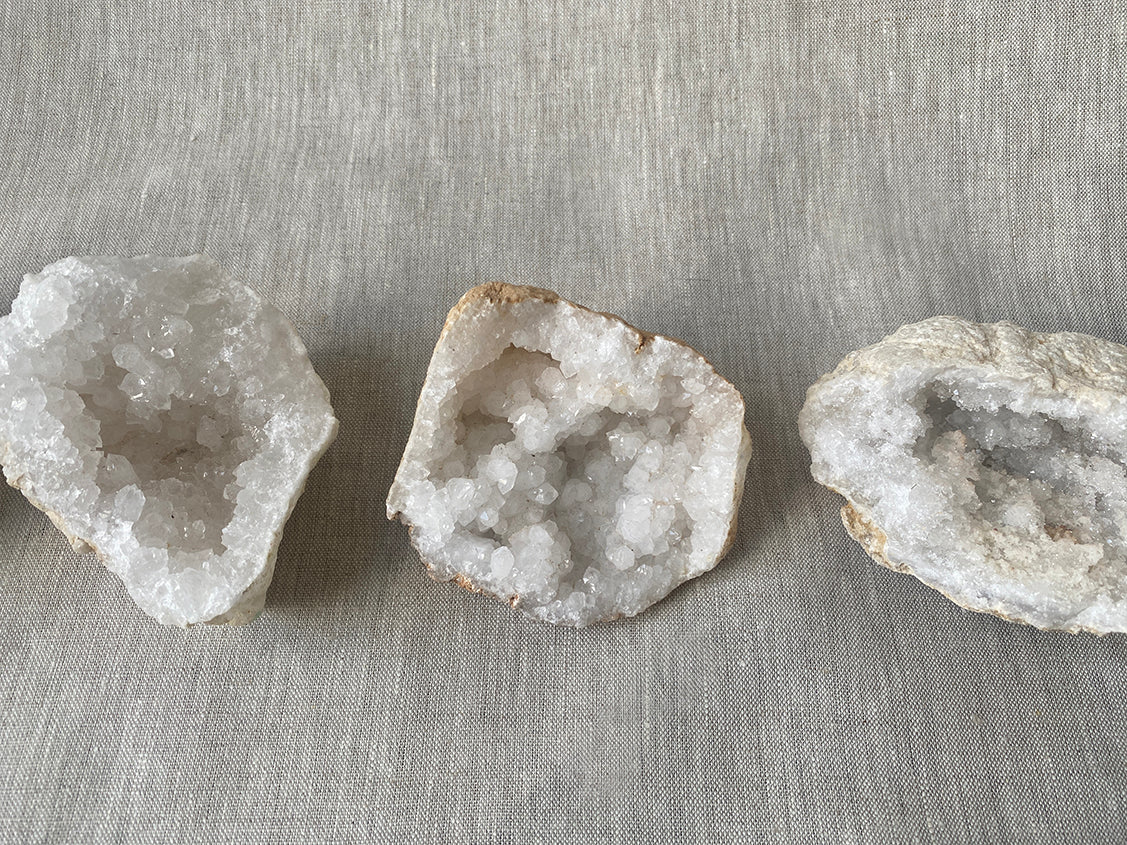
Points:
[(987, 460), (566, 462), (165, 417)]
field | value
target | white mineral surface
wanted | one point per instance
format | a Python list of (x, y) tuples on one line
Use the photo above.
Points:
[(988, 461), (565, 462), (166, 417)]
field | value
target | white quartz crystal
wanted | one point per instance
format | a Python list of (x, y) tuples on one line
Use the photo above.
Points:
[(566, 462), (165, 417), (987, 460)]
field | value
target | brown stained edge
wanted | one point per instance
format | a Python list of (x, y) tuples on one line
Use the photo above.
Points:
[(470, 587), (871, 538), (459, 579), (465, 583), (502, 293), (874, 541)]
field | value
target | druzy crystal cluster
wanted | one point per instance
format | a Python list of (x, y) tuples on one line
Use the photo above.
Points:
[(566, 462), (989, 461), (165, 417)]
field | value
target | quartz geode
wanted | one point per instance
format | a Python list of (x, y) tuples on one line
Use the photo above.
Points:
[(566, 462), (988, 461), (165, 417)]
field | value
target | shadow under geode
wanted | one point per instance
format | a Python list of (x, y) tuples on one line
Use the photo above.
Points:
[(339, 531), (12, 506), (772, 476)]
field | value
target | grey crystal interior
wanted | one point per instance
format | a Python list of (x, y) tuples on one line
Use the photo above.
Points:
[(182, 457), (1030, 472)]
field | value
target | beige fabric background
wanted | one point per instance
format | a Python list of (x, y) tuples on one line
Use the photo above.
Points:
[(775, 182)]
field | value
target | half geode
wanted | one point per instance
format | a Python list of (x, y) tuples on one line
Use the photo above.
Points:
[(165, 417), (989, 462), (565, 461)]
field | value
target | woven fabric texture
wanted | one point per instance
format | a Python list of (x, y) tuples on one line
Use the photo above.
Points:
[(775, 182)]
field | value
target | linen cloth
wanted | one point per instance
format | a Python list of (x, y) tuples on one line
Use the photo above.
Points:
[(777, 183)]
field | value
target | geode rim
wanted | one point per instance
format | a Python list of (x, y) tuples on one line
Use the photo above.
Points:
[(485, 302)]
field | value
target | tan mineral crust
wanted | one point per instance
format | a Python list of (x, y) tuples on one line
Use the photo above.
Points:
[(165, 417), (566, 462), (988, 461)]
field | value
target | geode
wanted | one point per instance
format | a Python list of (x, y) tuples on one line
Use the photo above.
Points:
[(987, 460), (567, 462), (165, 417)]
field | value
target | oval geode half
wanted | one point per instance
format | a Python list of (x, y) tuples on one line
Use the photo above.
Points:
[(988, 461), (566, 462), (165, 417)]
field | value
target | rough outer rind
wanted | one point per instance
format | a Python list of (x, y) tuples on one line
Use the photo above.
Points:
[(248, 603), (1078, 368), (497, 295), (1051, 364)]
